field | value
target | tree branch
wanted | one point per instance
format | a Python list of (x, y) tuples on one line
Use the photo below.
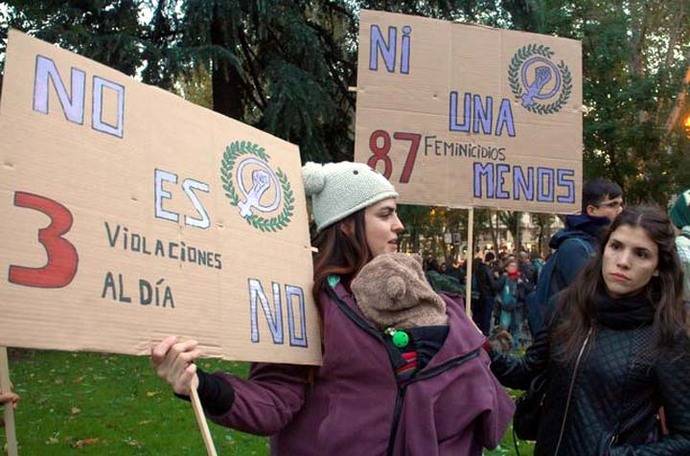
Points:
[(248, 55)]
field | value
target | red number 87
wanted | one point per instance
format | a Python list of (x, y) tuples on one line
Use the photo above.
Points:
[(62, 256), (381, 152)]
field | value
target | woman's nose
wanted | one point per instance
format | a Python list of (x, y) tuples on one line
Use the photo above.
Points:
[(624, 259), (397, 225)]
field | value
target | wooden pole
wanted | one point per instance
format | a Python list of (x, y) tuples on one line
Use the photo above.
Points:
[(6, 386), (468, 262), (203, 425)]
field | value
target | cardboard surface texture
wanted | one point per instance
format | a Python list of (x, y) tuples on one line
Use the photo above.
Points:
[(132, 214), (467, 116)]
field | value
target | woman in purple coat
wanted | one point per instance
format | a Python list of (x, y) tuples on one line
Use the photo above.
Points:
[(425, 391)]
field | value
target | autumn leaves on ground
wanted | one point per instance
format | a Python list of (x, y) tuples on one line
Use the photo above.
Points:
[(88, 403)]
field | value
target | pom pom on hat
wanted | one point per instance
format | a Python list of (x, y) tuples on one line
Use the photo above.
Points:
[(314, 178)]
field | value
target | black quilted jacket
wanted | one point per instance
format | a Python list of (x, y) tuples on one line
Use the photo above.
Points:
[(618, 390)]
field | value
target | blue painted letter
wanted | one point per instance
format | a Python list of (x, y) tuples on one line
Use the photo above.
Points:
[(505, 118), (501, 170), (378, 43), (562, 180), (545, 191), (522, 185), (453, 114), (482, 114), (481, 172)]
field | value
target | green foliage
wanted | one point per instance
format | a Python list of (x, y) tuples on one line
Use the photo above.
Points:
[(103, 404), (195, 86), (280, 66), (160, 54), (286, 66), (107, 31), (425, 229), (634, 59)]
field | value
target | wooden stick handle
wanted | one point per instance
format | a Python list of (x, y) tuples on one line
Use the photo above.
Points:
[(468, 262), (6, 386), (203, 425)]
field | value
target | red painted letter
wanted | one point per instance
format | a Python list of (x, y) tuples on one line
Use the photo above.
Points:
[(62, 256)]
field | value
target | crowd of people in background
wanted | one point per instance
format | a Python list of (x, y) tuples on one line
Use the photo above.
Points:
[(509, 295), (501, 283)]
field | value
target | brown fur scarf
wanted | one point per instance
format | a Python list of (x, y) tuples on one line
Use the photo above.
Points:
[(392, 291)]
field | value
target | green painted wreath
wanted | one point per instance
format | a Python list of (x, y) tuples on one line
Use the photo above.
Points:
[(516, 62), (232, 152)]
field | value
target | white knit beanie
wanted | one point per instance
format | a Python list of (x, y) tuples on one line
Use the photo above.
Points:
[(340, 189)]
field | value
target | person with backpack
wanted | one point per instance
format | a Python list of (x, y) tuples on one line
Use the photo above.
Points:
[(680, 216), (369, 397), (574, 245), (615, 356), (512, 289), (527, 269)]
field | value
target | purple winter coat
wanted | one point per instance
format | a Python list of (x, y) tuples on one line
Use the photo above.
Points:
[(452, 406)]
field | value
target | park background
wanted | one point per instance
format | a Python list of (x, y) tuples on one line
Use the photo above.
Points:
[(287, 67)]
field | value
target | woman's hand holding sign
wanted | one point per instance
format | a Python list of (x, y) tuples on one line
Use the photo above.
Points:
[(174, 363)]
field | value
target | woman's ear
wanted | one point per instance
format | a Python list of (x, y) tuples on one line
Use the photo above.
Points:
[(348, 227)]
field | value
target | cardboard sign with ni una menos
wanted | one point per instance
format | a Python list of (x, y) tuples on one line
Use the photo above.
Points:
[(468, 116)]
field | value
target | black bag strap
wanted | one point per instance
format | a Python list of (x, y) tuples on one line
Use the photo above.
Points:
[(570, 390)]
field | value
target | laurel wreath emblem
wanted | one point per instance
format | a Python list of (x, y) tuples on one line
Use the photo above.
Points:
[(232, 152), (516, 62)]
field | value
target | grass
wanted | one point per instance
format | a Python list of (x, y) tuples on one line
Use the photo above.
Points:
[(100, 404)]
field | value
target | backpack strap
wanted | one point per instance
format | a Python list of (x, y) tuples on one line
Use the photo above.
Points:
[(560, 281), (588, 247)]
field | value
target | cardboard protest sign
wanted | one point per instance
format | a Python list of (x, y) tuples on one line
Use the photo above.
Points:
[(131, 214), (469, 116)]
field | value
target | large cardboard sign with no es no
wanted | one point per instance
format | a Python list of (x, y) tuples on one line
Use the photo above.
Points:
[(131, 214)]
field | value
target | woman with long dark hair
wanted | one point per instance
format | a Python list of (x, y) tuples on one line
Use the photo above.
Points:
[(373, 395), (616, 353)]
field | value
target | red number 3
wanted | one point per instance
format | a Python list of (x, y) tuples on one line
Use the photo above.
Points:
[(62, 256)]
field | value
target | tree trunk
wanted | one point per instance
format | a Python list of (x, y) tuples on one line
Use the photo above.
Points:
[(227, 83), (494, 229)]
